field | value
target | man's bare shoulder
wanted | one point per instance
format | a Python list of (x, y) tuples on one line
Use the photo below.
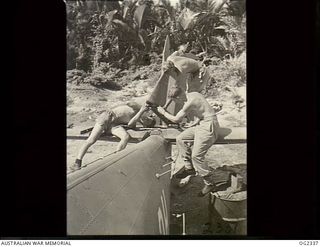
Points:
[(195, 95), (193, 99)]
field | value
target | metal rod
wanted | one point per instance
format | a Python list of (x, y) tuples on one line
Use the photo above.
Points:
[(167, 164), (158, 175), (183, 224)]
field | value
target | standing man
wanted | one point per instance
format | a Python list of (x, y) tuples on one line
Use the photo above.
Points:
[(185, 68), (203, 134)]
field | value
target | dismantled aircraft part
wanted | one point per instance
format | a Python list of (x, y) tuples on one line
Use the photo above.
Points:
[(120, 194)]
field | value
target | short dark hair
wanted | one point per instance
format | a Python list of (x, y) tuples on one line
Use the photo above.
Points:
[(167, 65)]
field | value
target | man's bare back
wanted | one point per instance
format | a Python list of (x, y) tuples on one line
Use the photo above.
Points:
[(124, 113), (198, 106)]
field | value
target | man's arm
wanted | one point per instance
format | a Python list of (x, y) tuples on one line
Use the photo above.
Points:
[(177, 118), (137, 117)]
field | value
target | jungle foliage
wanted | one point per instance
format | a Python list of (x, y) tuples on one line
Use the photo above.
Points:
[(105, 35)]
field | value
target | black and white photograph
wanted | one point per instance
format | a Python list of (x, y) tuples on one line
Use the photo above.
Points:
[(156, 117)]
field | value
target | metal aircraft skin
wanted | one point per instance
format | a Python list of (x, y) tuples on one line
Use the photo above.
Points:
[(126, 193)]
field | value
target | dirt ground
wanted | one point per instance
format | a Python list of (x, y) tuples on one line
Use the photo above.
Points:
[(85, 102)]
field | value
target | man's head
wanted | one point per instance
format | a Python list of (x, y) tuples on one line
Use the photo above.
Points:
[(148, 121), (168, 67)]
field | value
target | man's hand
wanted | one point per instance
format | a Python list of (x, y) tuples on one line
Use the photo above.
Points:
[(136, 118), (146, 107), (161, 110), (188, 125), (175, 119), (191, 124)]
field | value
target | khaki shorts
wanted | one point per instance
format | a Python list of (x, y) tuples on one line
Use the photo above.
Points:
[(104, 120)]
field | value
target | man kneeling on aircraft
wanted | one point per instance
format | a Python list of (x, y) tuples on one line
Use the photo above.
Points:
[(110, 122), (203, 134)]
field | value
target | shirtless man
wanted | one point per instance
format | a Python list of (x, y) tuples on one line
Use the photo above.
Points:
[(110, 122), (177, 64), (204, 133)]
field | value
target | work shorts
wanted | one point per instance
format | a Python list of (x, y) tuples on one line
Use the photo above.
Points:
[(105, 120)]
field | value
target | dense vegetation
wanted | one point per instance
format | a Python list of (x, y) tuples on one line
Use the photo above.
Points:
[(104, 38)]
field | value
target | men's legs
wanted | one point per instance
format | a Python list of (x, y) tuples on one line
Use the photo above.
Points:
[(120, 132), (94, 135), (204, 138), (184, 149), (184, 152)]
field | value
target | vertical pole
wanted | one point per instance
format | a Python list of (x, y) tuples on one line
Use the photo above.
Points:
[(183, 224)]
